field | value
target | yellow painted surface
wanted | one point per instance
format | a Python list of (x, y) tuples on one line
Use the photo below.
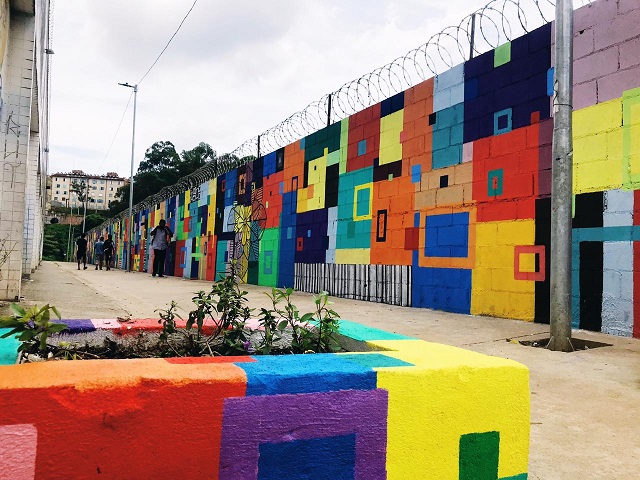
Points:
[(451, 392), (353, 256), (597, 147), (495, 291), (312, 197), (390, 146)]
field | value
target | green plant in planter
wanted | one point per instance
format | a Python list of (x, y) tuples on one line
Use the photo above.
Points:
[(33, 327), (327, 322), (312, 332)]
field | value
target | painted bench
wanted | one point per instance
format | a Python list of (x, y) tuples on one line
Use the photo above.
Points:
[(400, 409)]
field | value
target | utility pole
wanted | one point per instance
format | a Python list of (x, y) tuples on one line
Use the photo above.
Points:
[(86, 198), (133, 146), (561, 187)]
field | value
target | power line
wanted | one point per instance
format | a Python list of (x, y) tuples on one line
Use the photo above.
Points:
[(167, 45), (116, 134)]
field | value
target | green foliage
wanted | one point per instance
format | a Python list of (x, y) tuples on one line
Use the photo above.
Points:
[(311, 332), (224, 307), (328, 324), (54, 242), (162, 166), (33, 327)]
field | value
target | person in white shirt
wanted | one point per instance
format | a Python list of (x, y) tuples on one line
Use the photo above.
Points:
[(160, 238)]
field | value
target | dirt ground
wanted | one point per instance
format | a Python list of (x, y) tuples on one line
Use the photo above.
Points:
[(585, 406)]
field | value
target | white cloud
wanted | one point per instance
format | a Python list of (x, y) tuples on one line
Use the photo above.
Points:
[(234, 70)]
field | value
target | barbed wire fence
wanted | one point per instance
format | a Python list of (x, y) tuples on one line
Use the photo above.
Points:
[(498, 22)]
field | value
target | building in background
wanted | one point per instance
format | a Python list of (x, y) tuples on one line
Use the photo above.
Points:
[(24, 137), (101, 189)]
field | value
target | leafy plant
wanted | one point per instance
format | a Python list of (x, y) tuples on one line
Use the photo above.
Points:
[(328, 324), (33, 327)]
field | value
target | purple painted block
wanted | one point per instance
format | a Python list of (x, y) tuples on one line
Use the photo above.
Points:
[(594, 13), (630, 53), (615, 30), (612, 86), (77, 326), (583, 44), (252, 421), (626, 5), (598, 65), (585, 95)]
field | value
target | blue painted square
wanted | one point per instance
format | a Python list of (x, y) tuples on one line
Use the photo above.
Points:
[(281, 188), (448, 133), (303, 142), (415, 174), (362, 147), (447, 236), (550, 75), (471, 89), (447, 289), (308, 233), (77, 326), (314, 459), (268, 263), (502, 121), (416, 219), (269, 166), (495, 180), (323, 372), (289, 233)]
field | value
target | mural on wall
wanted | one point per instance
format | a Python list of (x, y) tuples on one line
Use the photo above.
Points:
[(439, 196), (361, 416)]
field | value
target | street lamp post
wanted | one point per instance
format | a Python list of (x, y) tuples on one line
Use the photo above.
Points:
[(133, 144)]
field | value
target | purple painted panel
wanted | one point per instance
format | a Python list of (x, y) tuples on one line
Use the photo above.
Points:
[(77, 326), (251, 421)]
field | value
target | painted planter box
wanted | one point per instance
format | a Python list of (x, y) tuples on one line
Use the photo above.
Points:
[(402, 409)]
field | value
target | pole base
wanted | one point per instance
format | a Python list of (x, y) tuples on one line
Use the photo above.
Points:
[(561, 344)]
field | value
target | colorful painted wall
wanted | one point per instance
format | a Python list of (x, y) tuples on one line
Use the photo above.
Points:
[(438, 197), (412, 409)]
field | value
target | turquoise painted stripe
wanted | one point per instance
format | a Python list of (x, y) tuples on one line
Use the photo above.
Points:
[(366, 334), (522, 476), (596, 234), (8, 348)]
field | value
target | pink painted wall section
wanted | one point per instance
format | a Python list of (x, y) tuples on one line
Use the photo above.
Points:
[(606, 51), (18, 457)]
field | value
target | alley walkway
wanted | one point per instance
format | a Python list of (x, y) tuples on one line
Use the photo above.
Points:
[(585, 406)]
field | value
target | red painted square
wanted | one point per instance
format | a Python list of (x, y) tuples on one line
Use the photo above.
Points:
[(412, 238), (300, 244), (538, 276)]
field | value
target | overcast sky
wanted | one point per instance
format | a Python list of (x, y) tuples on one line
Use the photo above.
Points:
[(235, 68)]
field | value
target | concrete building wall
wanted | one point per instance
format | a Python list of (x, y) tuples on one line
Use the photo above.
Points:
[(23, 139), (102, 190)]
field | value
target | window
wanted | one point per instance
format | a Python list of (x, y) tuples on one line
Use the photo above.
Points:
[(58, 185), (56, 179), (100, 200), (102, 182), (101, 188), (55, 198), (95, 181), (94, 188), (64, 199), (111, 189), (57, 191), (110, 195), (65, 192)]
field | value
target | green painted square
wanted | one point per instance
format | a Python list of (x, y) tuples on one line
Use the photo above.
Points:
[(362, 209), (502, 55), (479, 454), (268, 265), (8, 348), (495, 180), (521, 476)]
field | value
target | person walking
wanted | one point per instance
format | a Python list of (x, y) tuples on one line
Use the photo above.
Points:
[(98, 252), (108, 248), (81, 250), (160, 237)]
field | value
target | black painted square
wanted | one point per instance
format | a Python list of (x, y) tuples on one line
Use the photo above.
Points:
[(432, 118), (444, 181)]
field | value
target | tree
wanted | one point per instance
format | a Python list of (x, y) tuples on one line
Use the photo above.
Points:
[(161, 167), (80, 189)]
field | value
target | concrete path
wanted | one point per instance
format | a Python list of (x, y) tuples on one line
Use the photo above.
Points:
[(585, 406)]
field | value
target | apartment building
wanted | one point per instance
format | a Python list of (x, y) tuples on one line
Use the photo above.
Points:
[(101, 189)]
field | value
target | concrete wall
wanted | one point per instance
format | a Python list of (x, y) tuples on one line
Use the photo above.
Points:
[(23, 138), (413, 410), (439, 197)]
